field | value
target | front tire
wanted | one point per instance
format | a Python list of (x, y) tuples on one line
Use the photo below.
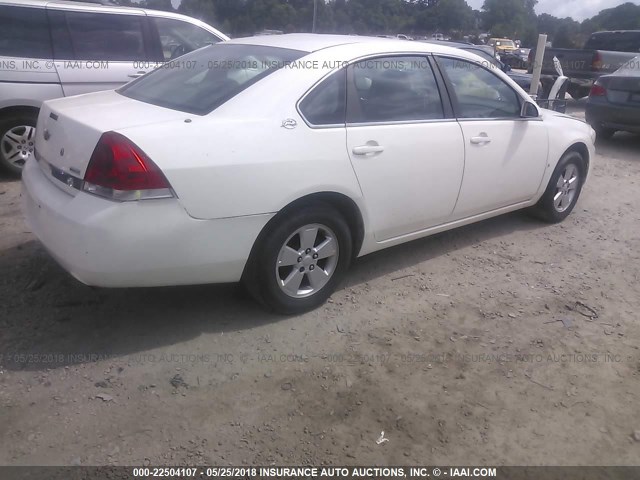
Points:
[(563, 190), (300, 260), (17, 141)]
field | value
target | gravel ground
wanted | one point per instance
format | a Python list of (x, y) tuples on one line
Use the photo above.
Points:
[(507, 342)]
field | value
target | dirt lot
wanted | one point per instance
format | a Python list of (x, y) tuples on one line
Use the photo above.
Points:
[(480, 345)]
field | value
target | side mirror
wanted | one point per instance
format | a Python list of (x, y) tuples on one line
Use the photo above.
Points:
[(529, 110)]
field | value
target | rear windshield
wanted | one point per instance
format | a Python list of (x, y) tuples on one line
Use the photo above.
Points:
[(203, 80), (614, 41)]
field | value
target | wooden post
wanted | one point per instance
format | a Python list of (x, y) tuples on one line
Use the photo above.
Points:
[(537, 65)]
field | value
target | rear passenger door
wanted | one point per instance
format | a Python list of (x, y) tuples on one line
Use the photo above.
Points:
[(405, 147), (98, 50)]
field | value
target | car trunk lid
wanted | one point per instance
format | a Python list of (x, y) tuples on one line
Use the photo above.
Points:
[(68, 130)]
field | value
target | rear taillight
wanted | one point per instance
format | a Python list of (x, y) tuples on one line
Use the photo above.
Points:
[(598, 91), (120, 170), (596, 63)]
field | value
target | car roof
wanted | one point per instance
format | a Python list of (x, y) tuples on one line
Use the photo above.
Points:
[(67, 3), (98, 7), (92, 6), (313, 42)]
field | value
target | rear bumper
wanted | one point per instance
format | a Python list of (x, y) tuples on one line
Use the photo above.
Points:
[(616, 117), (134, 244)]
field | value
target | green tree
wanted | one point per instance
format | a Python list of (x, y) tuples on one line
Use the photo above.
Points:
[(507, 18)]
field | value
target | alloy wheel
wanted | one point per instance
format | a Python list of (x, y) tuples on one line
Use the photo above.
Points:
[(566, 188), (17, 145), (307, 260)]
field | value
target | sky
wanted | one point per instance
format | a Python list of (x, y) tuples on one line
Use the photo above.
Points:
[(577, 9)]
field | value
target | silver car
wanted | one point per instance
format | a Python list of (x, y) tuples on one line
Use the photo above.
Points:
[(52, 49)]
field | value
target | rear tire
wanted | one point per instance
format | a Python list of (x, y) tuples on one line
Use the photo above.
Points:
[(300, 261), (563, 189), (17, 141)]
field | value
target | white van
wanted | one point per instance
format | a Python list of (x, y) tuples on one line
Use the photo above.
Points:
[(52, 49)]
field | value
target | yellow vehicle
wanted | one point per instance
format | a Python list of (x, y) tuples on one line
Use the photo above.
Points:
[(502, 45)]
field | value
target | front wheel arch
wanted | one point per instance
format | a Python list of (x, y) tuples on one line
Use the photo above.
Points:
[(583, 150)]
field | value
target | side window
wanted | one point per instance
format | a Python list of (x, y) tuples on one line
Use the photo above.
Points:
[(393, 89), (327, 102), (178, 37), (479, 93), (24, 32), (100, 36)]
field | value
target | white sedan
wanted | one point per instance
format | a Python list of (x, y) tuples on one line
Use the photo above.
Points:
[(277, 160)]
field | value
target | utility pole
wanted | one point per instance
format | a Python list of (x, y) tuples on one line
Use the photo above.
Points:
[(315, 15)]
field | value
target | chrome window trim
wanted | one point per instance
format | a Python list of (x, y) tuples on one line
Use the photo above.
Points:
[(402, 122)]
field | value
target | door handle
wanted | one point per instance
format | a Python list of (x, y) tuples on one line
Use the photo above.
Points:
[(481, 139), (137, 75), (368, 149)]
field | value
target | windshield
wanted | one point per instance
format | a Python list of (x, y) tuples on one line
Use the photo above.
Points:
[(205, 79)]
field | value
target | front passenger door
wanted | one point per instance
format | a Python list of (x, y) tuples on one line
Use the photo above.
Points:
[(506, 155)]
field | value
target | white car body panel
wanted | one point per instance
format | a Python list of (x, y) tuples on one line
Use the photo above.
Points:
[(108, 244), (410, 200), (236, 167), (513, 163)]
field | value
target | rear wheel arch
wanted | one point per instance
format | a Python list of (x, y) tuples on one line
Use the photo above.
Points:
[(338, 201), (331, 210)]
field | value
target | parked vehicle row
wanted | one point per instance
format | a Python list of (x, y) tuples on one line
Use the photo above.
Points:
[(278, 176), (603, 53), (614, 101), (51, 49)]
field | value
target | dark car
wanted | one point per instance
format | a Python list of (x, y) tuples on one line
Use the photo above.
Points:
[(517, 59), (522, 79), (614, 101)]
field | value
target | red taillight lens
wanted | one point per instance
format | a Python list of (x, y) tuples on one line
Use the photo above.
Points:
[(596, 63), (597, 91), (119, 169)]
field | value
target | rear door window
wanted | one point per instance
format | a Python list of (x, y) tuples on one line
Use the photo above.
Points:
[(24, 32), (100, 36), (393, 89)]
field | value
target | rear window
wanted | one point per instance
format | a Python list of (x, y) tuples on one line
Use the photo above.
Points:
[(203, 80), (615, 42), (24, 32)]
